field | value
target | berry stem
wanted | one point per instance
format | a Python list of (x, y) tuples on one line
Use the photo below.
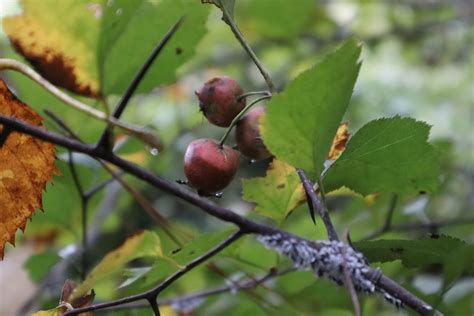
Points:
[(239, 116), (228, 18), (246, 94)]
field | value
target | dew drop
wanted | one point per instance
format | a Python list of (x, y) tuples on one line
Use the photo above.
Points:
[(154, 151)]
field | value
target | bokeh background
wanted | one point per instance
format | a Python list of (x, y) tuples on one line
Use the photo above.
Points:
[(418, 61)]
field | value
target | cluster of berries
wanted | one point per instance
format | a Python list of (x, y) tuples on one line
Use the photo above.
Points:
[(210, 166)]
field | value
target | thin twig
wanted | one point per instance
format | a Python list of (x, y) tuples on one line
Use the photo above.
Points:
[(154, 292), (246, 225), (136, 81), (421, 226), (317, 204), (250, 93), (238, 116), (243, 285), (84, 203), (98, 187), (144, 134), (230, 21), (347, 277)]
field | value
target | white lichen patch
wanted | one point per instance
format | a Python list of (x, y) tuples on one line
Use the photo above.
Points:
[(327, 260)]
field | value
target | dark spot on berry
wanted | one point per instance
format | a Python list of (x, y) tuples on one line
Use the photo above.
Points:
[(281, 186), (178, 50), (422, 192), (175, 251)]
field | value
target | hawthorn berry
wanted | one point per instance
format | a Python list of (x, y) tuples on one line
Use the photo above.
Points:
[(209, 167), (247, 134), (219, 100)]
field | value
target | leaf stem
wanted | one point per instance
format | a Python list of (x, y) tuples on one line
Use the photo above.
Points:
[(239, 116), (248, 49), (246, 94)]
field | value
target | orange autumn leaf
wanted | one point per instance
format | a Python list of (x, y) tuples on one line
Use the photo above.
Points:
[(339, 142), (26, 165)]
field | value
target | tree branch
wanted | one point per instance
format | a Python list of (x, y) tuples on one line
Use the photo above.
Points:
[(136, 81), (152, 294), (184, 299), (246, 226), (421, 226), (315, 203)]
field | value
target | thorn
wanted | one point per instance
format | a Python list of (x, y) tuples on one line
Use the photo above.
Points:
[(310, 208)]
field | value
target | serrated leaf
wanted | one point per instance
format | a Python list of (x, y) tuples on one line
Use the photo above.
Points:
[(141, 245), (276, 194), (130, 31), (412, 253), (387, 155), (26, 166), (59, 38), (302, 120)]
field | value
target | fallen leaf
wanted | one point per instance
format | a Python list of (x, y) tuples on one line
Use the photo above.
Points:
[(26, 166), (339, 142), (55, 46)]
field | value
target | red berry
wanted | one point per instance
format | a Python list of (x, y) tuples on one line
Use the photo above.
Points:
[(208, 167), (248, 137), (218, 100)]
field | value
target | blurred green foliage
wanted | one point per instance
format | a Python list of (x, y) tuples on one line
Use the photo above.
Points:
[(417, 61)]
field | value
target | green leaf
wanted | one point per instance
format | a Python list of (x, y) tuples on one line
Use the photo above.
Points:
[(276, 194), (38, 265), (412, 253), (265, 17), (387, 155), (141, 245), (302, 120), (130, 31), (455, 268), (181, 256)]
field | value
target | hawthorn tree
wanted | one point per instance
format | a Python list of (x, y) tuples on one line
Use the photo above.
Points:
[(303, 237)]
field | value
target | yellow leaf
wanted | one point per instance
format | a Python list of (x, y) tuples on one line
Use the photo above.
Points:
[(59, 38), (339, 142), (26, 165), (58, 311), (276, 194), (143, 244)]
